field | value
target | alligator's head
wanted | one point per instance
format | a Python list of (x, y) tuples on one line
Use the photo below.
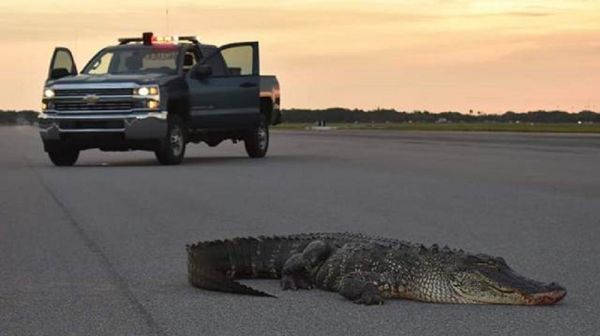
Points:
[(489, 280)]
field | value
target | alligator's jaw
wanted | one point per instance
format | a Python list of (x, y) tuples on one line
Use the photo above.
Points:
[(504, 286), (546, 298)]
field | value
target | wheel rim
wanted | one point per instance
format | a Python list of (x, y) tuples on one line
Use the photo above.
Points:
[(263, 137), (176, 141)]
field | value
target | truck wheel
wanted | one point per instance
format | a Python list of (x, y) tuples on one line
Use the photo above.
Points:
[(65, 157), (257, 140), (172, 149)]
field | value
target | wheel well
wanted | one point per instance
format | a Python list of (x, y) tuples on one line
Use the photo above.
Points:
[(180, 108), (266, 108)]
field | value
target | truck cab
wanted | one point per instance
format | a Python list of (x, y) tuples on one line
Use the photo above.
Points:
[(158, 94)]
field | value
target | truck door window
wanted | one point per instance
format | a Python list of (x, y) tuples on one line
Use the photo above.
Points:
[(239, 60), (189, 60), (216, 62), (63, 60)]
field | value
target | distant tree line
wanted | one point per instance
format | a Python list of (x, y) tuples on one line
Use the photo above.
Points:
[(332, 115), (17, 117), (339, 115)]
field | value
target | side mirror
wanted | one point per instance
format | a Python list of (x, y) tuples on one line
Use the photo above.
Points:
[(201, 71), (59, 73)]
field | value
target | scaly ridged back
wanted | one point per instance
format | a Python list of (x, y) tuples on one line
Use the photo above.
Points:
[(215, 264)]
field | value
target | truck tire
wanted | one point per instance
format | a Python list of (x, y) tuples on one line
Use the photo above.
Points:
[(257, 140), (172, 149), (63, 157)]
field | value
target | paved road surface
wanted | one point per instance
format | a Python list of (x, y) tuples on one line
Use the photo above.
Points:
[(98, 249)]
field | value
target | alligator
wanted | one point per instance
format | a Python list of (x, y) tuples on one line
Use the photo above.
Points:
[(364, 269)]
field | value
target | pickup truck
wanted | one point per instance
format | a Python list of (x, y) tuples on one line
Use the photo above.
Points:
[(158, 94)]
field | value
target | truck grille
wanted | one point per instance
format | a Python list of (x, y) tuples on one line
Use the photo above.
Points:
[(90, 124), (99, 106), (98, 92)]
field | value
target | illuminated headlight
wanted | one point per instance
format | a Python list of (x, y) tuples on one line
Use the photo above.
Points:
[(143, 91), (153, 104), (48, 93), (44, 106), (147, 91)]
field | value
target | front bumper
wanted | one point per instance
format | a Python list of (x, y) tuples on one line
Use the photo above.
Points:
[(130, 126)]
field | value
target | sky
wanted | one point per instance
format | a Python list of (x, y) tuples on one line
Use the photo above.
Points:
[(435, 55)]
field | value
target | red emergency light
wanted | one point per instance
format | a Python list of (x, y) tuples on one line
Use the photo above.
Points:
[(147, 38)]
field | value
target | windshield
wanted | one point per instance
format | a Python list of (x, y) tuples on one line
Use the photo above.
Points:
[(134, 61)]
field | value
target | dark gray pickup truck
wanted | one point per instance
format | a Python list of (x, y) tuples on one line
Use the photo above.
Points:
[(158, 94)]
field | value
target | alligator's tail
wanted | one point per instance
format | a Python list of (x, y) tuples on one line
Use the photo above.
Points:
[(214, 265)]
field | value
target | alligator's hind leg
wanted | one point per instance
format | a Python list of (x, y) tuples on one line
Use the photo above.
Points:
[(297, 270), (361, 287), (296, 273)]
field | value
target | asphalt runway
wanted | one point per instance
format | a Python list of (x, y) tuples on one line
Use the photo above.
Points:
[(98, 249)]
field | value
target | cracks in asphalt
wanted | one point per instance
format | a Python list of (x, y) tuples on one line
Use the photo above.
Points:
[(98, 252)]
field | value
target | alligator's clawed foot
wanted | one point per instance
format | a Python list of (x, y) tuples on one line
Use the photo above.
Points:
[(293, 282), (296, 272), (370, 299), (361, 288)]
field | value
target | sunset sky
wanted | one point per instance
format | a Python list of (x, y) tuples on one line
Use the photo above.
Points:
[(435, 55)]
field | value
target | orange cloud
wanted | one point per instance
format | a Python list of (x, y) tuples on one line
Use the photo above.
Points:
[(432, 54)]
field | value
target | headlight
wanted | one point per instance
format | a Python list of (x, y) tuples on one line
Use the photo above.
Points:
[(143, 91), (153, 104), (48, 93), (147, 91)]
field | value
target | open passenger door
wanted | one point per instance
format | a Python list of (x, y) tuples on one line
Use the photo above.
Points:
[(229, 96), (62, 64), (242, 64), (241, 58)]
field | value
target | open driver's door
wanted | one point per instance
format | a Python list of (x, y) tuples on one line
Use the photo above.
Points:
[(62, 64)]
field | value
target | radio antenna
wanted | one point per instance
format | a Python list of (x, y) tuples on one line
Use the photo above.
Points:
[(167, 16)]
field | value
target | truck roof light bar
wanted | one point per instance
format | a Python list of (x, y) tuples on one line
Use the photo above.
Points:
[(125, 40), (164, 40), (149, 39), (193, 39), (146, 39)]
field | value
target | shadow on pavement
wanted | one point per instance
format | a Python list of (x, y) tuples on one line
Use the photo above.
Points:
[(189, 161)]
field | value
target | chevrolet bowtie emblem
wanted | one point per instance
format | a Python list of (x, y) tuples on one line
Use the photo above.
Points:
[(91, 99)]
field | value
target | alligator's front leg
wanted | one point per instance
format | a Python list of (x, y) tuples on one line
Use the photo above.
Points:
[(361, 287), (297, 270)]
